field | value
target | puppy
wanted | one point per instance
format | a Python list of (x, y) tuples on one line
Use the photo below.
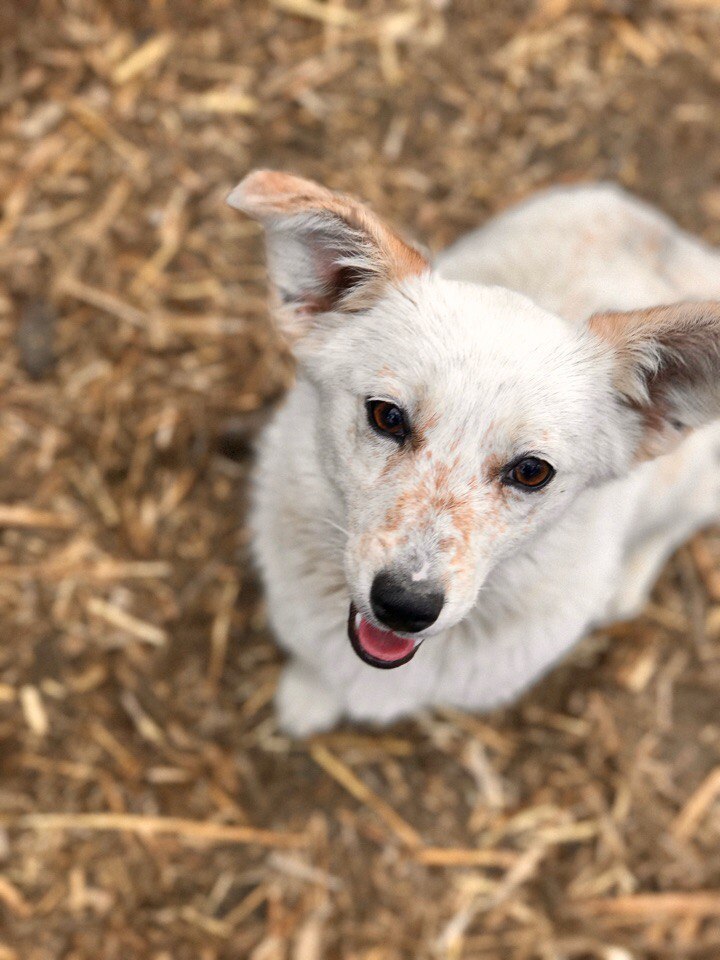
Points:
[(481, 458)]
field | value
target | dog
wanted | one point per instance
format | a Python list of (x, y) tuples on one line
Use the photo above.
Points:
[(481, 458)]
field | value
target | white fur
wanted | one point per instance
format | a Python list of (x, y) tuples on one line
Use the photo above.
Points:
[(493, 343)]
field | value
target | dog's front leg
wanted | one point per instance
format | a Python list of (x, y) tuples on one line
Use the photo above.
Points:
[(383, 696), (305, 702)]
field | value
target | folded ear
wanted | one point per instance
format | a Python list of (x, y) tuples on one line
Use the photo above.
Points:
[(326, 251), (666, 363)]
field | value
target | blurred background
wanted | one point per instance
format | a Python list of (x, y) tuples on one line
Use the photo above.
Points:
[(149, 808)]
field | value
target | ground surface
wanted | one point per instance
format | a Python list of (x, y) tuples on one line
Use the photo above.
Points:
[(136, 671)]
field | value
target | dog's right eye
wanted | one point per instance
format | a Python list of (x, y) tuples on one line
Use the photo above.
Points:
[(387, 418)]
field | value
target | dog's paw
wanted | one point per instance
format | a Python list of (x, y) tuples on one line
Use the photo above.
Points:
[(304, 703)]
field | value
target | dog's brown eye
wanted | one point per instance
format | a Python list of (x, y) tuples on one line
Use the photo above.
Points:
[(387, 417), (531, 472)]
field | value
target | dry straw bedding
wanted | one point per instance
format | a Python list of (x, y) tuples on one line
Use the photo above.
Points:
[(149, 808)]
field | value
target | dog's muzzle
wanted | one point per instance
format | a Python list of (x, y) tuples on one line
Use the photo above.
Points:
[(379, 648)]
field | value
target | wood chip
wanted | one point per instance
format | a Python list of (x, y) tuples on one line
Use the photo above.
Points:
[(123, 620), (14, 900), (454, 857), (35, 714), (354, 786), (221, 101), (152, 826), (20, 515), (151, 53), (699, 903), (329, 13), (696, 807)]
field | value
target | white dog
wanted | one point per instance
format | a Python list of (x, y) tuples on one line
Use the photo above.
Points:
[(463, 479)]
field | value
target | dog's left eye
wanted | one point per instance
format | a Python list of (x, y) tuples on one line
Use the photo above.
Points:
[(387, 418), (531, 473)]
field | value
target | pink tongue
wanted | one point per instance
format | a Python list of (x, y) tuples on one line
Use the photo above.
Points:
[(382, 644)]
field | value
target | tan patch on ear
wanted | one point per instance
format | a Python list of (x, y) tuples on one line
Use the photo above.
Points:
[(268, 196), (667, 367), (627, 334), (684, 331), (623, 328), (264, 193)]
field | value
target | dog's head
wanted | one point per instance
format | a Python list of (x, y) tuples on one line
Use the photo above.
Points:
[(458, 421)]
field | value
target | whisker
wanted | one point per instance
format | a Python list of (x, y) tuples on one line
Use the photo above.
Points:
[(335, 525)]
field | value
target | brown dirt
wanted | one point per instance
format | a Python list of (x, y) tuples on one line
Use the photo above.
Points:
[(136, 671)]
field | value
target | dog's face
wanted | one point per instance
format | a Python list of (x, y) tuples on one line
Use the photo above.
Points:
[(457, 422)]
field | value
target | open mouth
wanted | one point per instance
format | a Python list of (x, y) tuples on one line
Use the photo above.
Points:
[(380, 648)]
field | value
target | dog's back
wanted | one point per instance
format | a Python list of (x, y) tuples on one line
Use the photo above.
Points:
[(578, 250)]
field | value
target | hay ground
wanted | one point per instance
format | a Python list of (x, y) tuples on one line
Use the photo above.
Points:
[(148, 806)]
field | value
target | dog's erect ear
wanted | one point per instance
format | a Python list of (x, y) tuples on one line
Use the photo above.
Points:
[(326, 251), (666, 363)]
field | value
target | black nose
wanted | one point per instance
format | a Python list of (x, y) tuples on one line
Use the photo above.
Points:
[(403, 605)]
